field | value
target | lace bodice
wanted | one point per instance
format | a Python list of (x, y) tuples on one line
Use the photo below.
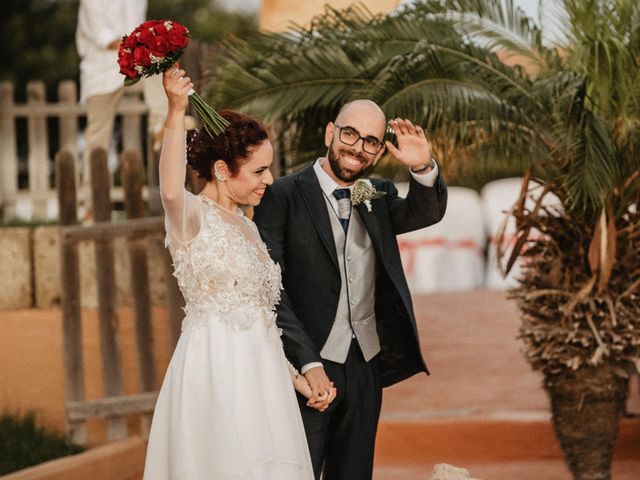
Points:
[(224, 267)]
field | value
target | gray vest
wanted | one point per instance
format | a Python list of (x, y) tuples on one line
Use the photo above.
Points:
[(355, 316)]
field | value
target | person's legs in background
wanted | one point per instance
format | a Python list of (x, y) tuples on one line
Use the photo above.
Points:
[(101, 112)]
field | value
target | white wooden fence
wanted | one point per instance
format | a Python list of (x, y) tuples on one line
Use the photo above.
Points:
[(41, 191)]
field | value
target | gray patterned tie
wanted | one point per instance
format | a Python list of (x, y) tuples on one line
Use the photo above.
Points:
[(343, 195)]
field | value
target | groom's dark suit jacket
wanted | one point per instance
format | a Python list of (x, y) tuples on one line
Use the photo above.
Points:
[(294, 223)]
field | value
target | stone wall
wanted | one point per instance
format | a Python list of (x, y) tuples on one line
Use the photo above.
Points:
[(30, 269), (16, 280)]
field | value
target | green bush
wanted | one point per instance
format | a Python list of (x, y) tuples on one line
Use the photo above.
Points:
[(23, 443)]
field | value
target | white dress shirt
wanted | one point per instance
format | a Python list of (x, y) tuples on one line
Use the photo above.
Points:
[(99, 24), (328, 185)]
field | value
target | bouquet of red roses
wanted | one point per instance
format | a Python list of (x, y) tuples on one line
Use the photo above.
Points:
[(152, 48)]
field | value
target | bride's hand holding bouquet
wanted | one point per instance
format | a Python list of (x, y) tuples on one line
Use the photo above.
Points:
[(176, 86)]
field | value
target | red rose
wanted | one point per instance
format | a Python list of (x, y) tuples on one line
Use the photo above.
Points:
[(146, 37), (179, 28), (125, 58), (130, 41), (155, 25), (160, 29), (141, 56), (161, 46), (126, 62), (147, 25), (178, 38), (129, 72)]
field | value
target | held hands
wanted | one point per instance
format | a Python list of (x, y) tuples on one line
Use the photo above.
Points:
[(301, 385), (177, 87), (413, 150), (321, 391)]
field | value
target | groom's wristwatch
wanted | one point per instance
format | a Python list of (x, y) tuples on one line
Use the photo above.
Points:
[(425, 167)]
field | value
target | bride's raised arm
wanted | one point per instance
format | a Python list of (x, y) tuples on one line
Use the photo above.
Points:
[(180, 219)]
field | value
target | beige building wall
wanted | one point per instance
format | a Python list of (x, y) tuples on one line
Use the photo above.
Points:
[(278, 15)]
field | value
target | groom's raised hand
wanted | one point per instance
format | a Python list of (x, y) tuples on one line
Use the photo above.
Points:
[(413, 150)]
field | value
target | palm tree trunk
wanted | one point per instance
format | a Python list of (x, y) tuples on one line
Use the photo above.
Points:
[(586, 406)]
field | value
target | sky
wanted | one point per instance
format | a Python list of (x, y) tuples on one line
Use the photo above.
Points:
[(529, 6), (550, 28)]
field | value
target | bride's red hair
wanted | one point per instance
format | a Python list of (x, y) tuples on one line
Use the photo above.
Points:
[(233, 146)]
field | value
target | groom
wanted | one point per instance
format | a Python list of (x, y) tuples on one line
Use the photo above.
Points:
[(346, 311)]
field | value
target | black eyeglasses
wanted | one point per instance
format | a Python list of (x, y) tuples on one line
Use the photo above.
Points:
[(350, 136)]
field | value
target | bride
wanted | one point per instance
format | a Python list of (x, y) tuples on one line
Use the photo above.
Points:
[(227, 409)]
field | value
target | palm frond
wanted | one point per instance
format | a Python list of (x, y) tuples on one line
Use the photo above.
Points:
[(604, 46), (501, 27), (282, 85), (590, 179)]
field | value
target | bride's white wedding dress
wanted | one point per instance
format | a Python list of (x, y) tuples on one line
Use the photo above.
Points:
[(227, 409)]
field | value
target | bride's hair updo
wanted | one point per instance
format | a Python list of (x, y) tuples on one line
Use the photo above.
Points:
[(232, 146)]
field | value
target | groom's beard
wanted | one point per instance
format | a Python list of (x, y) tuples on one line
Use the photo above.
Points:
[(346, 173)]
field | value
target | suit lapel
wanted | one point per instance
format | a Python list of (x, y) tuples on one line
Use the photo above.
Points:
[(314, 200), (372, 225)]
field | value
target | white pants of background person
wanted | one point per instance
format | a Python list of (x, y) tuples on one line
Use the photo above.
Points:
[(101, 113)]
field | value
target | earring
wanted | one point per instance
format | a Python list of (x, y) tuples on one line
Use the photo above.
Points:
[(219, 176)]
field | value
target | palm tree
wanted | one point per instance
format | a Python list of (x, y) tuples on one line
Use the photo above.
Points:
[(477, 75)]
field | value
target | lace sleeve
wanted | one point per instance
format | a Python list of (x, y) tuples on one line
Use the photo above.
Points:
[(293, 370), (182, 212)]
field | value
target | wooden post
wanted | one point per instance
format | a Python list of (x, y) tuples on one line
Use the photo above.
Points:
[(132, 181), (70, 276), (38, 148), (8, 152), (106, 283), (68, 95)]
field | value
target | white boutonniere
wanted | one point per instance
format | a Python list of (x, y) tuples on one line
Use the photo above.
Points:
[(364, 192)]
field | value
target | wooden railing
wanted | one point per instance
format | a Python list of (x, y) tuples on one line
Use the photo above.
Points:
[(68, 113), (115, 406)]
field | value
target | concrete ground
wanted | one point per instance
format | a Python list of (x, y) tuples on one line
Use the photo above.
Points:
[(482, 408)]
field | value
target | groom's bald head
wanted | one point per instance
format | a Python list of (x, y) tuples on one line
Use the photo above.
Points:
[(360, 113)]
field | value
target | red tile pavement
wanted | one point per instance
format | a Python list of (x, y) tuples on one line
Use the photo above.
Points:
[(469, 342), (482, 408), (526, 470)]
